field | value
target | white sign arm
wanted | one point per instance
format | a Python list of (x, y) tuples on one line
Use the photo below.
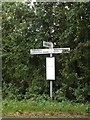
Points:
[(48, 51)]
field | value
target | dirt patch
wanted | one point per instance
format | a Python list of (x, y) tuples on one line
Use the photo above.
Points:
[(44, 115)]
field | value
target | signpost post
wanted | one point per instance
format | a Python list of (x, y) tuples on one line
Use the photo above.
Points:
[(50, 61)]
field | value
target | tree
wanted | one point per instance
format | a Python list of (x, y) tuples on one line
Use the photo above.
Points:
[(25, 28)]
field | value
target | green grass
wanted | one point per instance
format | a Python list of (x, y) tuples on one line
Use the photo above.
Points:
[(54, 106)]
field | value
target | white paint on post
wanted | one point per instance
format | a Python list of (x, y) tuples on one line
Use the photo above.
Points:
[(51, 90), (51, 55), (51, 81)]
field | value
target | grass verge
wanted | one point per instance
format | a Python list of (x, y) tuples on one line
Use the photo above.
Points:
[(13, 106)]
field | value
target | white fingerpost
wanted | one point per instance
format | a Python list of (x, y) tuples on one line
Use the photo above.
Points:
[(50, 61)]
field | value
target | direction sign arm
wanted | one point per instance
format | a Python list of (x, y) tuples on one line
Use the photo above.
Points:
[(66, 50)]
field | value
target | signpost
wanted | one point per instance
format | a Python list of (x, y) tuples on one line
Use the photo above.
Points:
[(50, 61)]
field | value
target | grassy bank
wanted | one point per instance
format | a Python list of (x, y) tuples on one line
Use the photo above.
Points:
[(14, 106)]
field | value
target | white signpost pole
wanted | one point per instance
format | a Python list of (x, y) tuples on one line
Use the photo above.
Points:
[(51, 80), (51, 89)]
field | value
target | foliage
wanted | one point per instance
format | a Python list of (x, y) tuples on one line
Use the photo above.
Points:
[(25, 28)]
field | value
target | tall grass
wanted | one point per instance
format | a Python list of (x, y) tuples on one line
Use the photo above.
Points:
[(43, 105)]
